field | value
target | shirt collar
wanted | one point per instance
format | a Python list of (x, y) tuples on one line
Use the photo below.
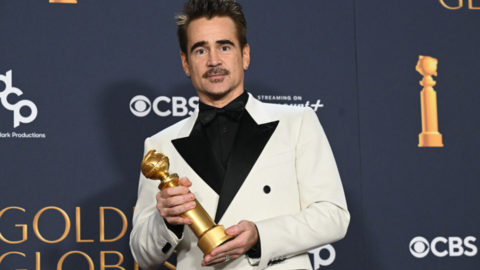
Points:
[(242, 98)]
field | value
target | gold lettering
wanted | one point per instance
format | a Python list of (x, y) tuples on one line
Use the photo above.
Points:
[(37, 260), (67, 224), (23, 226), (102, 260), (90, 262), (8, 253), (470, 5), (102, 224), (79, 228), (460, 4)]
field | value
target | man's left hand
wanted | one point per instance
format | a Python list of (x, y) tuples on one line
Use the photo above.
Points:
[(246, 237)]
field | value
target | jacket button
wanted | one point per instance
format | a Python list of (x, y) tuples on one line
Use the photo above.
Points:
[(266, 189)]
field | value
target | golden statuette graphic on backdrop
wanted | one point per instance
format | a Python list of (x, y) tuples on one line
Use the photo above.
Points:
[(430, 137), (155, 166)]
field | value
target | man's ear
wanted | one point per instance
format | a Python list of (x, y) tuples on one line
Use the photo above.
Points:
[(246, 56), (185, 63)]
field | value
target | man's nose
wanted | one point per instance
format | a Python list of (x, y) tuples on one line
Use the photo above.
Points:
[(214, 59)]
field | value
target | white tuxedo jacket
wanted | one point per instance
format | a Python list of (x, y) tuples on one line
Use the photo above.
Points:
[(282, 147)]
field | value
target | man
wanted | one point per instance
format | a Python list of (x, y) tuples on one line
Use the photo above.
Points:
[(266, 172)]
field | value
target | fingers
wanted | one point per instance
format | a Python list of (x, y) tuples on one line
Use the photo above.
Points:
[(219, 260), (172, 215), (177, 210), (175, 206), (234, 230), (170, 202), (246, 237), (233, 253), (174, 201), (174, 191), (183, 188), (213, 262), (184, 182), (179, 221), (228, 248)]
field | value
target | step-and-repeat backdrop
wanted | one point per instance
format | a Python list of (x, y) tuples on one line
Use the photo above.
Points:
[(83, 84)]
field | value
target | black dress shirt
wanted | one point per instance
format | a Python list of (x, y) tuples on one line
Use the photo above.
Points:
[(222, 129), (220, 125)]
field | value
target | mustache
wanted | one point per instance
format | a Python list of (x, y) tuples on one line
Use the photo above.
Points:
[(215, 71)]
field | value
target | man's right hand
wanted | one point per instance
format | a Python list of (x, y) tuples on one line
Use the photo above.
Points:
[(174, 201)]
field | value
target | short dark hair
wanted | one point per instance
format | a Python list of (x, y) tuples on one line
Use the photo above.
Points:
[(196, 9)]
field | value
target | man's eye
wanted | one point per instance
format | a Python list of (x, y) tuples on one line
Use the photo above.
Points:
[(225, 48), (201, 51)]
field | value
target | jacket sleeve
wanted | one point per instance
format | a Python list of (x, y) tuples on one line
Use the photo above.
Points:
[(151, 241), (324, 217)]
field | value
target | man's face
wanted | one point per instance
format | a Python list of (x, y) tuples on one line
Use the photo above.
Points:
[(215, 60)]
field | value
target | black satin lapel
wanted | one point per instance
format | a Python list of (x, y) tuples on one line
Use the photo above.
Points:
[(197, 152), (249, 144)]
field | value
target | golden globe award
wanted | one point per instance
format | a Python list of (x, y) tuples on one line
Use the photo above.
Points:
[(430, 137), (210, 235)]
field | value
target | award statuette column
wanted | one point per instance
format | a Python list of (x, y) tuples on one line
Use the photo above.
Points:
[(430, 137), (210, 235)]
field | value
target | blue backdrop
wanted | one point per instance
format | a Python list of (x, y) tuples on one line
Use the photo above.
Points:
[(70, 176)]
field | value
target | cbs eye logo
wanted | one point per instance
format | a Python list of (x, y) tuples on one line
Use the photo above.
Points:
[(419, 247), (175, 106), (140, 106), (440, 246)]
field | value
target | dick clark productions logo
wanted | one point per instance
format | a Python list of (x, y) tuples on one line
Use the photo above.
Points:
[(440, 246), (17, 116)]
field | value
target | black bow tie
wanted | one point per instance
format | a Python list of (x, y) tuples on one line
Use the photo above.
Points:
[(233, 110)]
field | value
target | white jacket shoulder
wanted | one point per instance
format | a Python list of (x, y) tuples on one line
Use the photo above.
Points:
[(283, 111), (170, 132)]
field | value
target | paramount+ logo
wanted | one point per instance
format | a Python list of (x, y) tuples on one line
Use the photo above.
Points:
[(440, 246)]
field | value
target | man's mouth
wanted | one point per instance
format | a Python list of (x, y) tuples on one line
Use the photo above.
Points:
[(216, 76), (216, 73)]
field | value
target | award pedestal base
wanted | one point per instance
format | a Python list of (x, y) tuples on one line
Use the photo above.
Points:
[(213, 238), (430, 139)]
